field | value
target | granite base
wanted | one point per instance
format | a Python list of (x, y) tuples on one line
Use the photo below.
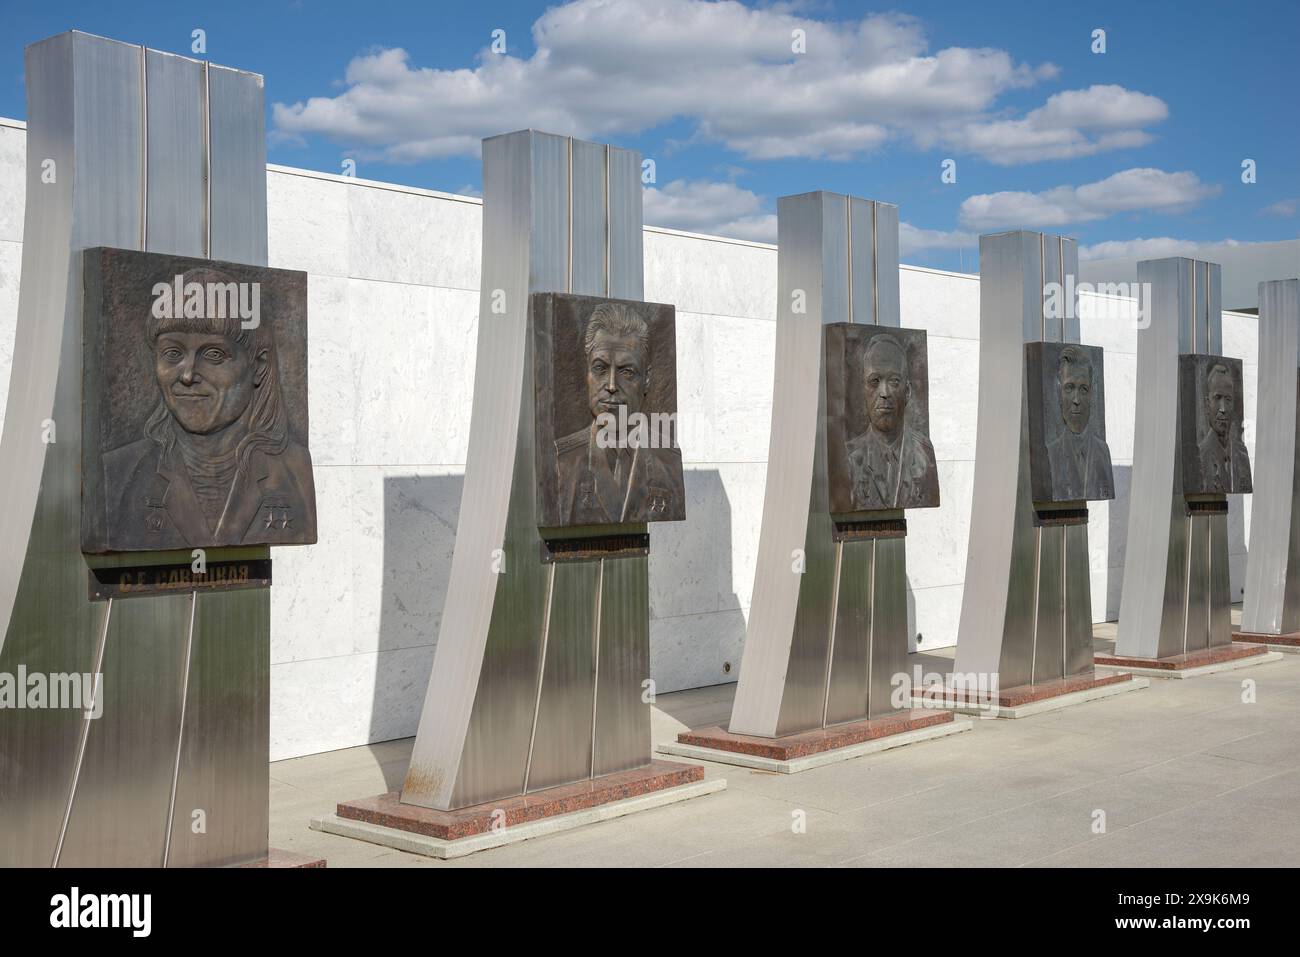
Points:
[(1193, 664), (1023, 701)]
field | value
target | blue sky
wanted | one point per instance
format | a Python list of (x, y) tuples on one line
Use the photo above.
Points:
[(1137, 149)]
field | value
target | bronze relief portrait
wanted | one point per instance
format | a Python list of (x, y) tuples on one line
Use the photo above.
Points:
[(605, 374), (1211, 417), (1069, 460), (879, 455), (195, 405)]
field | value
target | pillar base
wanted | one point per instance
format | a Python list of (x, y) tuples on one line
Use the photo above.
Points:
[(1287, 644), (383, 819), (1023, 701), (1206, 661), (276, 857), (792, 753)]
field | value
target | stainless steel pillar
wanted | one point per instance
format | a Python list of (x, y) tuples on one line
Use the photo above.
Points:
[(828, 625), (1176, 594), (537, 677), (1026, 611), (137, 149), (1272, 602)]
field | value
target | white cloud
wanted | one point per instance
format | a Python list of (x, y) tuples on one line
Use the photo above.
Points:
[(1284, 208), (1156, 248), (1070, 124), (913, 239), (719, 209), (602, 68), (1127, 191)]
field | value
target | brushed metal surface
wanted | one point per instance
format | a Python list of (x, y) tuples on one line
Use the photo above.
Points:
[(622, 727), (1175, 596), (810, 657), (562, 746), (1026, 608), (237, 164), (560, 215), (38, 482), (888, 663), (98, 792), (119, 807), (176, 220), (589, 219), (1049, 626), (846, 689), (1272, 601), (1078, 605), (224, 766)]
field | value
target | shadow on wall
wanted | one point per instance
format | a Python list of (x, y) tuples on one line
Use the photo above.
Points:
[(1117, 538), (419, 529), (1237, 545), (697, 625)]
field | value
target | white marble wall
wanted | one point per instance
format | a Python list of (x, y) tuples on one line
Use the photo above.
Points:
[(393, 287)]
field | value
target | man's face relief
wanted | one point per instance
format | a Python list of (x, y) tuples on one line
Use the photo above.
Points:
[(1222, 401), (616, 374), (206, 379), (887, 387), (1075, 381)]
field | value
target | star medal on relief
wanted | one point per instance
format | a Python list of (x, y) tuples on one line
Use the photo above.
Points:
[(587, 488)]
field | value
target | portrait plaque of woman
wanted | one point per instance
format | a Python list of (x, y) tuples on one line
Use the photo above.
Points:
[(195, 405)]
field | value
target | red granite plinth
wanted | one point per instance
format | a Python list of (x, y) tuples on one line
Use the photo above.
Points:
[(1255, 637), (801, 745), (1019, 694), (280, 858), (386, 810), (1193, 659)]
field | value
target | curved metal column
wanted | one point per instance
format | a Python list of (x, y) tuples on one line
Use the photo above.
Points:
[(828, 626), (1026, 610), (1176, 594), (537, 675), (1272, 602), (136, 149)]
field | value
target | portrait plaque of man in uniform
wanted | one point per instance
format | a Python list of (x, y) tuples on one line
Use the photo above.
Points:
[(1069, 458), (606, 445), (1215, 459), (879, 455), (195, 412)]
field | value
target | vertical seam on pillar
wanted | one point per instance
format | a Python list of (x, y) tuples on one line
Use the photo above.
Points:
[(1071, 306), (875, 272), (848, 253), (1209, 583), (1038, 557), (84, 734), (1042, 328), (871, 625), (144, 148), (207, 161), (606, 218), (830, 649), (568, 174), (1195, 323), (180, 731), (541, 671), (1187, 579), (1065, 591), (595, 661)]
